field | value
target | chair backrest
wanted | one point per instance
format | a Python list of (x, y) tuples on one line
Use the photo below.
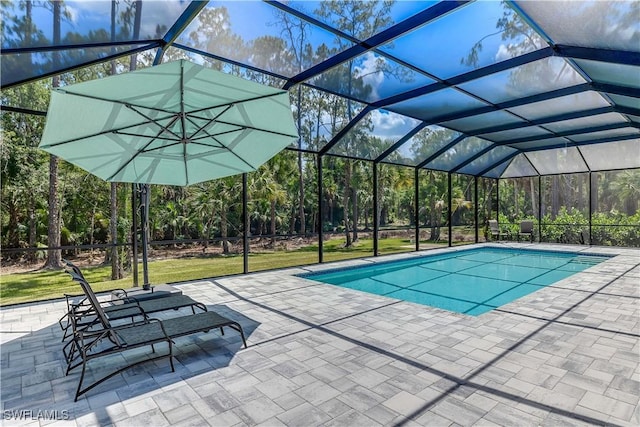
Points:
[(526, 226), (73, 268), (76, 275), (493, 225)]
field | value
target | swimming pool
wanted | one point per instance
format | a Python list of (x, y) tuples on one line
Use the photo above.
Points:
[(470, 281)]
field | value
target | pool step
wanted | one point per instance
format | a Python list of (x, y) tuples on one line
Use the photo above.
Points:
[(591, 260)]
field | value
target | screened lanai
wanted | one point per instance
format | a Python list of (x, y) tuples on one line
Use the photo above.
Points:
[(418, 119)]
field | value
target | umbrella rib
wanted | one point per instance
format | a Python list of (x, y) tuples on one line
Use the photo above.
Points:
[(115, 101), (232, 152), (156, 122), (137, 153), (210, 135), (208, 121), (242, 127), (213, 147), (138, 135), (161, 147), (116, 130), (237, 101), (257, 129)]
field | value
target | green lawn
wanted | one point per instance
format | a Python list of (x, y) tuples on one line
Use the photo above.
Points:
[(40, 285)]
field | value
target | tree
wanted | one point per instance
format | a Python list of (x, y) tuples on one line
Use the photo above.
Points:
[(54, 256), (295, 32), (361, 20), (214, 34), (22, 171), (627, 186)]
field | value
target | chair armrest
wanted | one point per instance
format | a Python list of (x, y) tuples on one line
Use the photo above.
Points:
[(130, 305), (119, 293)]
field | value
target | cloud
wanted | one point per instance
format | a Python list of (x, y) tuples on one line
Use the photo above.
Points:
[(370, 71), (503, 53), (159, 13), (391, 125), (73, 13)]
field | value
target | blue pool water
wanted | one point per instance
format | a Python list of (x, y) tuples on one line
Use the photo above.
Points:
[(472, 281)]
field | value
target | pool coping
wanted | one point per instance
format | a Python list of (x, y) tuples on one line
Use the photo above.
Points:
[(322, 357)]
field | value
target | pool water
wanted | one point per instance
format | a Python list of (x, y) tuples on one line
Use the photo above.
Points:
[(472, 281)]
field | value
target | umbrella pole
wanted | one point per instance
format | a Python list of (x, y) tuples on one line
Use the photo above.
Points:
[(144, 195)]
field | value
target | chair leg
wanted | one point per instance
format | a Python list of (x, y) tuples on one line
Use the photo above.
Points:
[(237, 327), (170, 342), (84, 368)]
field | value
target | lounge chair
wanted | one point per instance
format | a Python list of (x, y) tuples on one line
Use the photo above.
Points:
[(526, 229), (494, 229), (108, 339), (82, 317), (80, 314)]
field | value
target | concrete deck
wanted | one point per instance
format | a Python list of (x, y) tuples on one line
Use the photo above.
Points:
[(568, 354)]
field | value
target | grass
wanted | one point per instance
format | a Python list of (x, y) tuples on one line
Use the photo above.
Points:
[(45, 284)]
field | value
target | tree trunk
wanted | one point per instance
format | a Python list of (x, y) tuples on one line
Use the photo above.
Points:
[(133, 63), (594, 192), (273, 223), (54, 256), (224, 232), (435, 226), (301, 214), (534, 199), (555, 196), (516, 207), (33, 232), (488, 192), (354, 200), (92, 229), (366, 220), (113, 204), (433, 213), (345, 202), (13, 237), (116, 270), (28, 8), (292, 221), (380, 204), (331, 214)]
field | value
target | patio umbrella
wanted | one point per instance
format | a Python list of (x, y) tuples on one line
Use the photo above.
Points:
[(174, 124)]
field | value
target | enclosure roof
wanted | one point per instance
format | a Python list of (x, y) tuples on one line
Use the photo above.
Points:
[(485, 88)]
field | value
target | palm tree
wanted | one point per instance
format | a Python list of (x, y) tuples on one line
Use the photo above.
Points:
[(627, 186), (266, 187)]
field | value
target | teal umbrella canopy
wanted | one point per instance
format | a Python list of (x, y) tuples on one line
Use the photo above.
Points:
[(175, 124)]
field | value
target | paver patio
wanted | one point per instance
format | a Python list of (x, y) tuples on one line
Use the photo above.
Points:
[(568, 354)]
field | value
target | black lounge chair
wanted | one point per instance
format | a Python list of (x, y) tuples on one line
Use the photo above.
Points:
[(494, 229), (95, 343), (80, 315), (81, 318), (526, 230)]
